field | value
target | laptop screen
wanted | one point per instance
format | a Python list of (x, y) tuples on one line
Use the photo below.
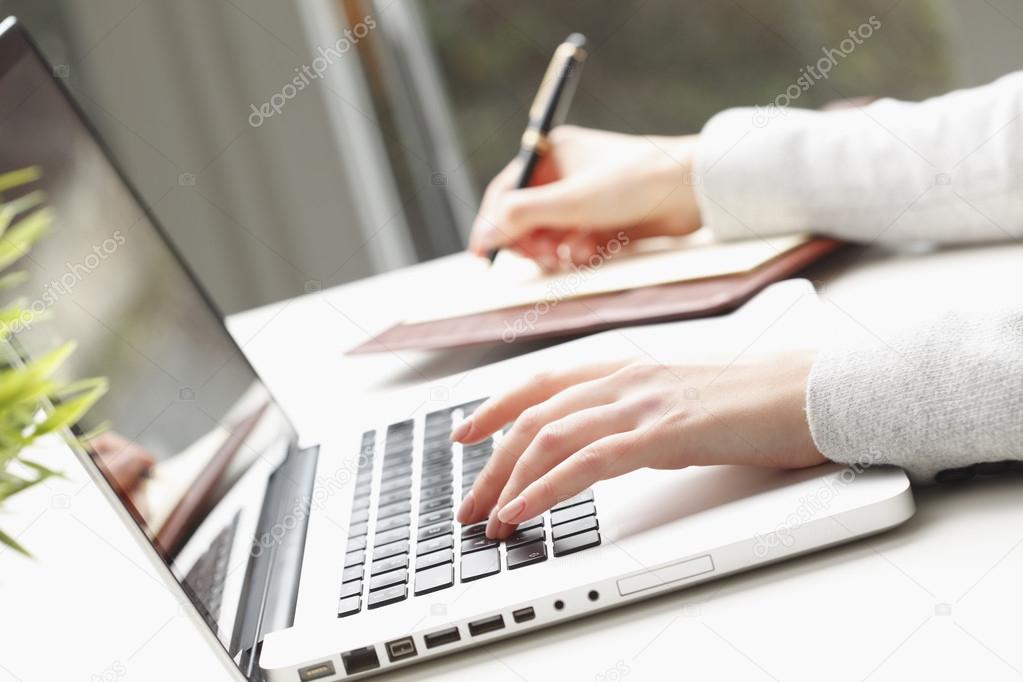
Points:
[(185, 418)]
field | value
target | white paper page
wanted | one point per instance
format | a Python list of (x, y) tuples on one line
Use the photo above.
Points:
[(514, 280)]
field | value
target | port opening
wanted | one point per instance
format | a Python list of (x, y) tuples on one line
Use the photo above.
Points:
[(558, 605), (441, 637), (360, 660), (401, 648), (524, 614), (593, 595), (485, 625), (315, 672)]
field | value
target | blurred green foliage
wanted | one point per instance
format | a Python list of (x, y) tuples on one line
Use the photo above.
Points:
[(33, 403), (666, 66)]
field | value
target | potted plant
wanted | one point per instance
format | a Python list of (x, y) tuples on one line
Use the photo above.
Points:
[(33, 402)]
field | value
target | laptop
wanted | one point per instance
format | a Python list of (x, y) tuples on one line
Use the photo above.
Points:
[(336, 560)]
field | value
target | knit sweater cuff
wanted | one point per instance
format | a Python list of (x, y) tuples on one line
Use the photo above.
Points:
[(946, 396)]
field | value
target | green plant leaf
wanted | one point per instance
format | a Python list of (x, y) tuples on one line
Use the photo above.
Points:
[(13, 544), (12, 209), (16, 242), (72, 410), (17, 178)]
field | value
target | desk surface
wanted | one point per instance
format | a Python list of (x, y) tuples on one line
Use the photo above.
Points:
[(938, 597)]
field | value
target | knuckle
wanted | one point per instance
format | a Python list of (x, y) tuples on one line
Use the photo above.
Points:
[(591, 457), (542, 379), (550, 436), (531, 420)]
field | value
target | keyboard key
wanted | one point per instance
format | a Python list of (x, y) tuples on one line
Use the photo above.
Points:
[(477, 543), (393, 522), (521, 537), (437, 468), (397, 496), (357, 529), (402, 473), (391, 563), (355, 558), (356, 544), (359, 516), (383, 580), (574, 543), (348, 589), (439, 491), (524, 555), (572, 513), (480, 564), (396, 484), (474, 530), (563, 530), (436, 578), (349, 605), (353, 573), (434, 544), (392, 535), (434, 531), (584, 496), (436, 480), (387, 595), (424, 561), (435, 504), (394, 509), (390, 549), (531, 523), (435, 517)]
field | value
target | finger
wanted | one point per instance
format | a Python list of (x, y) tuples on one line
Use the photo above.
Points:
[(515, 213), (492, 415), (606, 458), (578, 248), (494, 476), (540, 246), (501, 183), (556, 442)]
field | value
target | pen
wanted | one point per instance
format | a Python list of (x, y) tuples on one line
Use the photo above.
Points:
[(549, 107)]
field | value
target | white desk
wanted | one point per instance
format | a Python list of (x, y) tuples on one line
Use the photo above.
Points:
[(938, 598)]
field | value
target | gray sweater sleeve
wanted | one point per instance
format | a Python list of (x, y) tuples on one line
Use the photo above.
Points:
[(948, 394)]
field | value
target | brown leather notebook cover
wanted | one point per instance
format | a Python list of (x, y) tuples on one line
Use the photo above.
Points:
[(570, 317)]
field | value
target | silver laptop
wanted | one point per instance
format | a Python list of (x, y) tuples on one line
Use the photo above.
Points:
[(337, 560)]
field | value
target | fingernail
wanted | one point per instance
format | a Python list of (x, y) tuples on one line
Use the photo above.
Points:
[(467, 508), (548, 263), (513, 510), (462, 430), (492, 526)]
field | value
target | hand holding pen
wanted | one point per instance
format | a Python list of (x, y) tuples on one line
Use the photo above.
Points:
[(572, 190)]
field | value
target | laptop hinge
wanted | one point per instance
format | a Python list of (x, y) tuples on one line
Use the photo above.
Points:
[(270, 590)]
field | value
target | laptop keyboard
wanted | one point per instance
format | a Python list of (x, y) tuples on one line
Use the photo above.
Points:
[(410, 543)]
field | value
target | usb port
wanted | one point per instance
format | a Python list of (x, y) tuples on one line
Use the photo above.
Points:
[(522, 615), (401, 648), (441, 637), (485, 625)]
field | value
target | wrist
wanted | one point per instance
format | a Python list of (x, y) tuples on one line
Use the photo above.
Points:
[(670, 169)]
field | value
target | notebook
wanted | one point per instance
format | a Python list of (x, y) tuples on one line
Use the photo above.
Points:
[(654, 280)]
